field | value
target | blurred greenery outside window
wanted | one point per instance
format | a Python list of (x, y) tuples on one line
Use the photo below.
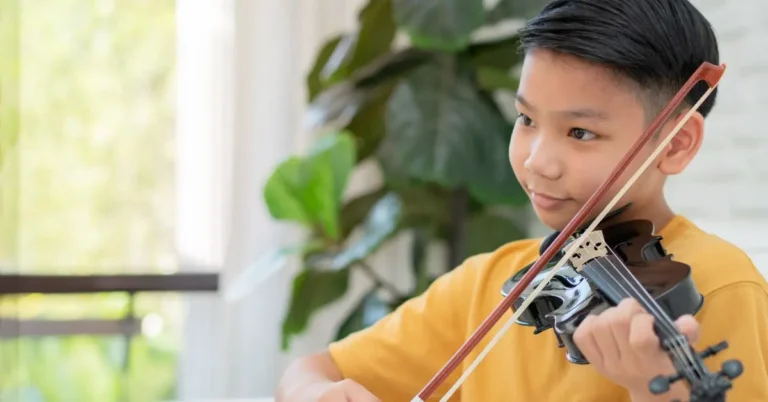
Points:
[(91, 181)]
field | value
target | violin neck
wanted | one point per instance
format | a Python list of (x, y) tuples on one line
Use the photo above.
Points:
[(615, 283)]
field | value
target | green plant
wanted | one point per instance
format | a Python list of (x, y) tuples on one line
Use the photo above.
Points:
[(427, 116)]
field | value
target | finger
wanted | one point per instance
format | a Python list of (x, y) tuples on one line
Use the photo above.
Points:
[(642, 338), (586, 342), (620, 327), (689, 327), (606, 337), (631, 306), (358, 393)]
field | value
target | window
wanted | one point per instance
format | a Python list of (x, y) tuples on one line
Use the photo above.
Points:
[(94, 190)]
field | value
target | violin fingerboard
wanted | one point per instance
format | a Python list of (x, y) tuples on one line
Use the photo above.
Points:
[(614, 280)]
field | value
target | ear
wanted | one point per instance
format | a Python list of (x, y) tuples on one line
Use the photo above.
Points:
[(684, 146)]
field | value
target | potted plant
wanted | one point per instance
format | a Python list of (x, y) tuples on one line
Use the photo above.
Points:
[(428, 114)]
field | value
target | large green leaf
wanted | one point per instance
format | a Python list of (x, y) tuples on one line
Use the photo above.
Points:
[(419, 266), (308, 189), (260, 270), (441, 128), (286, 188), (425, 206), (381, 223), (374, 37), (439, 25), (338, 105), (369, 124), (491, 79), (494, 62), (367, 312), (338, 152), (515, 9), (391, 67), (500, 186), (489, 230), (315, 82), (502, 54), (312, 290), (355, 210)]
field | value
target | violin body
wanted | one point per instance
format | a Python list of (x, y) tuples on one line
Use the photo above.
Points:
[(571, 295)]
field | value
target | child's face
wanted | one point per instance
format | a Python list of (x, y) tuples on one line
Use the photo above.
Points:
[(576, 123)]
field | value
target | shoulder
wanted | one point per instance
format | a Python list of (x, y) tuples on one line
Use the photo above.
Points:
[(483, 275), (716, 263), (512, 255)]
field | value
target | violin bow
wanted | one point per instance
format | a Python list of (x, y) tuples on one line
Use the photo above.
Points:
[(707, 72)]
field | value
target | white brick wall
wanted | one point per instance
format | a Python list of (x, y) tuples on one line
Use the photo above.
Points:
[(725, 190)]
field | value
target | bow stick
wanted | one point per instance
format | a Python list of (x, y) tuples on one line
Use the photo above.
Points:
[(707, 72)]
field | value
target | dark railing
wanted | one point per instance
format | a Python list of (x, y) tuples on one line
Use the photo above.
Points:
[(129, 326), (58, 284)]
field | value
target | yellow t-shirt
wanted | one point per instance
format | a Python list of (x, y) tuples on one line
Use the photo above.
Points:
[(398, 355)]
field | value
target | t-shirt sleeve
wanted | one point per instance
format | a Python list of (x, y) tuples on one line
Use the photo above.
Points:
[(399, 354), (738, 314)]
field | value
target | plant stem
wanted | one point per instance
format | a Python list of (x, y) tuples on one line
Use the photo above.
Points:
[(419, 258), (379, 281), (457, 245)]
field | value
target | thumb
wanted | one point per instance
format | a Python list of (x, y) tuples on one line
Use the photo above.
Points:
[(689, 327)]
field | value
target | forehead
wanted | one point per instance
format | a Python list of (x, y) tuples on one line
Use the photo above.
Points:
[(554, 82)]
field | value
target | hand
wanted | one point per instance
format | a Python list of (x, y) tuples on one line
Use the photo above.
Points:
[(342, 391), (622, 345)]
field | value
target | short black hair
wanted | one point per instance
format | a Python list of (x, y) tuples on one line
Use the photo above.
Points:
[(656, 44)]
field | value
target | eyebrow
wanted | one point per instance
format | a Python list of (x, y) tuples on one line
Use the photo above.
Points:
[(584, 113)]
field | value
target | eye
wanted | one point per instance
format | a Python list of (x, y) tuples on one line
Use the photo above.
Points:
[(525, 120), (582, 134)]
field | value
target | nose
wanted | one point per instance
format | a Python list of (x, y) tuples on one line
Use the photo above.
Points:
[(543, 159)]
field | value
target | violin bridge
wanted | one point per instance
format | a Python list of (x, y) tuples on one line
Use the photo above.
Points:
[(593, 247)]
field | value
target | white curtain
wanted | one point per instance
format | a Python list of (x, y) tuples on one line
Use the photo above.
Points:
[(242, 68)]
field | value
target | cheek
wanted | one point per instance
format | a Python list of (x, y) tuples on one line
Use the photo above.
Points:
[(593, 173), (585, 176), (518, 153)]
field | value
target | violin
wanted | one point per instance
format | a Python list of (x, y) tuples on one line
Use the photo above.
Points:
[(604, 267), (579, 290), (614, 265)]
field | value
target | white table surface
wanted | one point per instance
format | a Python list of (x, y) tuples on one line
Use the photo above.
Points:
[(265, 399)]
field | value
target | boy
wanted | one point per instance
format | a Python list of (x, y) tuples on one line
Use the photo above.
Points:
[(596, 72)]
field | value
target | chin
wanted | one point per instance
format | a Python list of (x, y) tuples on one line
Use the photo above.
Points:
[(555, 220)]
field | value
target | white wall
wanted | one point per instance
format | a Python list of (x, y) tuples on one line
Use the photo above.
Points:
[(725, 190)]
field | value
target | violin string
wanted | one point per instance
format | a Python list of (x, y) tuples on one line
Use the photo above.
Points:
[(678, 354), (665, 323), (680, 343)]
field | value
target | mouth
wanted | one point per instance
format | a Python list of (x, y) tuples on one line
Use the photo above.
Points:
[(546, 201)]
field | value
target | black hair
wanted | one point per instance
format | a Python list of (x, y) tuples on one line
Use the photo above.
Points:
[(656, 44)]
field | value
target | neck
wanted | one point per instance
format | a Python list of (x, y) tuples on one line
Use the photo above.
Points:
[(658, 212)]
